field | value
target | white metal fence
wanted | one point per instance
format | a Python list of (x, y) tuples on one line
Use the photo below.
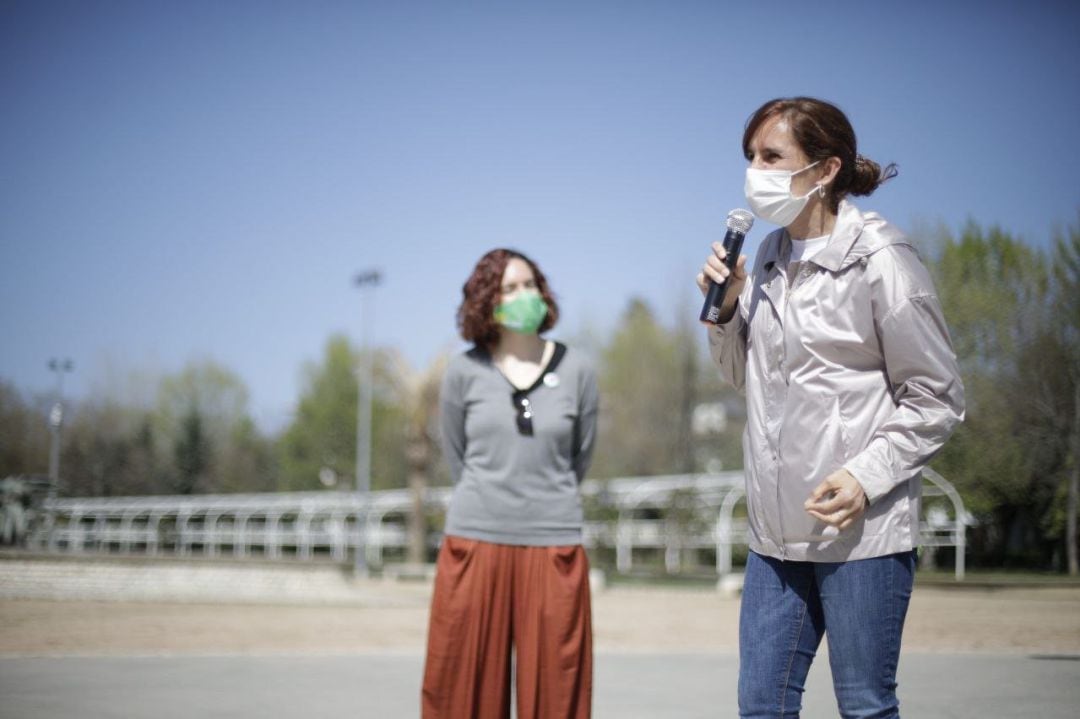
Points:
[(677, 519)]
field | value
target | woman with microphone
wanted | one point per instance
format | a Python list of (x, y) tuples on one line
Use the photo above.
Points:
[(518, 420), (837, 339)]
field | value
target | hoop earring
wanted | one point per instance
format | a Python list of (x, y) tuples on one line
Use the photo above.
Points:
[(821, 191)]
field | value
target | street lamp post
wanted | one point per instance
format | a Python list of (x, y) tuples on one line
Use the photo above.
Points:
[(56, 421), (367, 280)]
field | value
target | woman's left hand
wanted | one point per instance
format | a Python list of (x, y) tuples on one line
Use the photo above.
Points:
[(838, 501)]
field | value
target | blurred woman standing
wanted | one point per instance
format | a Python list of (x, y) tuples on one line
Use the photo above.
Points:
[(518, 419)]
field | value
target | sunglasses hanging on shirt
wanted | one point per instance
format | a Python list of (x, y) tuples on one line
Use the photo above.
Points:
[(520, 398), (524, 413)]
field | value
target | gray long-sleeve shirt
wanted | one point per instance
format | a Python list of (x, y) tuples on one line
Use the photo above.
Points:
[(510, 487)]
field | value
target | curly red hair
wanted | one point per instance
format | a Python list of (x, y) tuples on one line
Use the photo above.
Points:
[(481, 293)]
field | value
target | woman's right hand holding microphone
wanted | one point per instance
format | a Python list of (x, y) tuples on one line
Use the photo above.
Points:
[(715, 270)]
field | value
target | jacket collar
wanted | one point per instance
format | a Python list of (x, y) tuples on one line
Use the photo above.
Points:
[(854, 237)]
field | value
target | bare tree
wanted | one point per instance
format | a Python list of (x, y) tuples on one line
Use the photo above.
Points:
[(421, 450)]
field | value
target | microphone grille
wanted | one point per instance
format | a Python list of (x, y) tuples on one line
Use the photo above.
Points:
[(740, 220)]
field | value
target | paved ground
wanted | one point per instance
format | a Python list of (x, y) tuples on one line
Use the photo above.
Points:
[(628, 686), (991, 654)]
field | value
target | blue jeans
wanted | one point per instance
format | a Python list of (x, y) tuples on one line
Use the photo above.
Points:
[(786, 608)]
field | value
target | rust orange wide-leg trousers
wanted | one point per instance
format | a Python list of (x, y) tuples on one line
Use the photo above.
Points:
[(491, 598)]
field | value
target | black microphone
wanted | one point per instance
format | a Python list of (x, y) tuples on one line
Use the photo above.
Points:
[(739, 223)]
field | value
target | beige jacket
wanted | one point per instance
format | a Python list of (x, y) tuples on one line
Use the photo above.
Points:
[(848, 364)]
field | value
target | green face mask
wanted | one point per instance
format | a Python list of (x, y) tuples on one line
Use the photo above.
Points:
[(524, 313)]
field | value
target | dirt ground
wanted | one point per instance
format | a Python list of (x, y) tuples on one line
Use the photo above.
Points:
[(1014, 620)]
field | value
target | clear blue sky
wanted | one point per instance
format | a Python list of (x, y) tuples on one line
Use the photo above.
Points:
[(186, 180)]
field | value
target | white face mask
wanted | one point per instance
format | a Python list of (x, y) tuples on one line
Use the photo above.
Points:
[(768, 192)]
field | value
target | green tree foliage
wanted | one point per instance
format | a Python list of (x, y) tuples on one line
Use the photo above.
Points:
[(202, 420), (1004, 305), (109, 450), (192, 452), (1066, 308), (24, 433), (190, 433), (638, 374), (323, 432), (247, 462), (652, 378)]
